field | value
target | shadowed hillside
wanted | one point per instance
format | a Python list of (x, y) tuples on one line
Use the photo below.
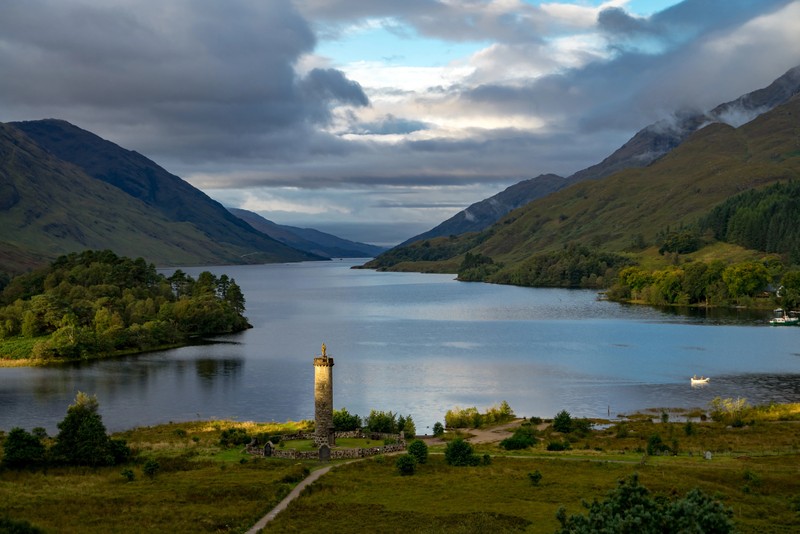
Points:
[(49, 207)]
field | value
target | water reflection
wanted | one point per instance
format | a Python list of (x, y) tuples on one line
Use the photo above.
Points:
[(420, 345)]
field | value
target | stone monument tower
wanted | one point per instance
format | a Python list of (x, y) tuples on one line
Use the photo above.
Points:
[(323, 399)]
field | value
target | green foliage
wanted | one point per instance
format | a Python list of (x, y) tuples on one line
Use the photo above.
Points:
[(380, 421), (562, 422), (96, 303), (233, 436), (82, 438), (656, 446), (406, 425), (523, 437), (151, 468), (22, 449), (697, 282), (573, 266), (419, 450), (343, 421), (477, 267), (406, 464), (631, 508), (128, 475), (559, 445), (471, 418), (460, 453), (438, 429), (764, 220), (682, 242), (535, 477)]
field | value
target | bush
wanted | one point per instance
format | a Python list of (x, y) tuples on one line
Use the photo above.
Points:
[(151, 467), (438, 429), (656, 446), (22, 449), (563, 422), (234, 436), (128, 475), (406, 464), (630, 508), (460, 453), (559, 446), (419, 451), (535, 477), (523, 437)]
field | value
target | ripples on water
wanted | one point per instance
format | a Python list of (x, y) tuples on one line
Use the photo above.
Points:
[(420, 345)]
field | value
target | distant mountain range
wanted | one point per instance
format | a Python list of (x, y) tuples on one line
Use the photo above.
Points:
[(308, 239), (667, 177), (64, 189), (645, 147)]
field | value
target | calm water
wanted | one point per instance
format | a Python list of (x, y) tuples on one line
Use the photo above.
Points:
[(420, 345)]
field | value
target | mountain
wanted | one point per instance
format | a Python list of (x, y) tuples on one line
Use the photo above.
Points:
[(50, 205), (646, 146), (657, 139), (143, 179), (633, 209), (486, 212), (308, 239)]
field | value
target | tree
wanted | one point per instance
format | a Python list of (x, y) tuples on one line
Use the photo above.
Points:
[(438, 429), (419, 451), (343, 421), (406, 464), (460, 453), (563, 422), (630, 508), (82, 438), (379, 421), (22, 449)]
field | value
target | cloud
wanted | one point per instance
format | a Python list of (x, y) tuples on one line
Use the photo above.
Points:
[(194, 80), (231, 96)]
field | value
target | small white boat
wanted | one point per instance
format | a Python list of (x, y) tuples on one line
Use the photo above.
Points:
[(699, 381), (782, 318)]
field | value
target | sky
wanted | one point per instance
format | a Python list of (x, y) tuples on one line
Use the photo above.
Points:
[(376, 120)]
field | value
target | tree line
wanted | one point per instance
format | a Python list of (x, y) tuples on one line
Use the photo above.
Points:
[(760, 219), (711, 283), (96, 303)]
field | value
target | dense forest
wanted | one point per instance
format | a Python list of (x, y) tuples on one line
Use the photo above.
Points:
[(711, 284), (760, 219), (96, 304)]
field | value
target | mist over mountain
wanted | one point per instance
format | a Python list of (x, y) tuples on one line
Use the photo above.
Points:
[(630, 211), (646, 146)]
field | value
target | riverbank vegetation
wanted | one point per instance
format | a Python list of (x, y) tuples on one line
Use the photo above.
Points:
[(185, 478), (96, 304), (752, 284)]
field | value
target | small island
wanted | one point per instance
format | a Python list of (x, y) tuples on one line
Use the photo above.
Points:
[(96, 304)]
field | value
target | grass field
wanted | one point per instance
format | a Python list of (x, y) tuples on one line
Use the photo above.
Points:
[(204, 487)]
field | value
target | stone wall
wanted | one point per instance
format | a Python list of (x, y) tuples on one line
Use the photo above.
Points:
[(335, 453)]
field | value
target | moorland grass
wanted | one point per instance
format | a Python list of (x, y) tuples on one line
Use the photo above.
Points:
[(203, 486)]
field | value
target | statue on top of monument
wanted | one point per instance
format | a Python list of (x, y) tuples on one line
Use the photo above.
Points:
[(324, 351)]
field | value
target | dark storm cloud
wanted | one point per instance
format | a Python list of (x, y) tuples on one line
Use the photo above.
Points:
[(188, 79)]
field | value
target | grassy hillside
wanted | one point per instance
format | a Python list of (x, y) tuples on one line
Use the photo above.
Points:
[(629, 212), (49, 207)]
